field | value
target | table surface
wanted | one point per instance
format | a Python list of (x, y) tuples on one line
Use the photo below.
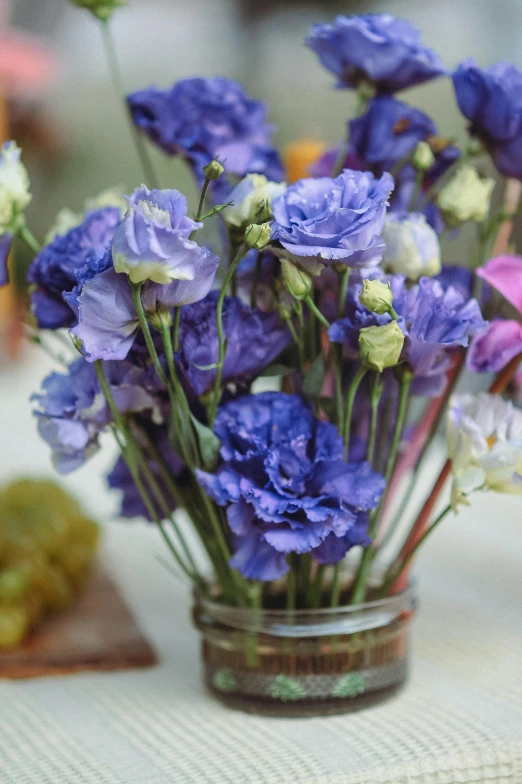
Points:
[(458, 720)]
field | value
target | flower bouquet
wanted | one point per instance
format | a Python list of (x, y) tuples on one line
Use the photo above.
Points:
[(277, 363)]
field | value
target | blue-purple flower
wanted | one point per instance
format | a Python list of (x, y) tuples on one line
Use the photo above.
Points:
[(107, 319), (286, 486), (334, 220), (375, 48), (72, 410), (5, 247), (254, 340), (434, 320), (153, 240), (53, 272), (491, 99), (201, 119)]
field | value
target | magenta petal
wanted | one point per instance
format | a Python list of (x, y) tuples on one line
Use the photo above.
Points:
[(504, 273), (492, 350)]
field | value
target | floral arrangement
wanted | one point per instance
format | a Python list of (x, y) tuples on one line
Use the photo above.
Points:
[(282, 382)]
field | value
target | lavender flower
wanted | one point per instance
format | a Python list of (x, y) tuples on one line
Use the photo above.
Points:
[(5, 247), (334, 220), (153, 241), (254, 340), (107, 318), (286, 486), (377, 48), (492, 350), (53, 271), (491, 99), (73, 412), (202, 119)]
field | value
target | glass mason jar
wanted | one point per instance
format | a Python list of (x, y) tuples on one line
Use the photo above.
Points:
[(305, 662)]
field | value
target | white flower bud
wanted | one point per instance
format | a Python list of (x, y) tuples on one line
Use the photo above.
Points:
[(380, 347), (423, 157), (297, 282), (258, 236), (376, 296), (252, 200), (213, 170), (466, 197), (14, 188), (412, 246)]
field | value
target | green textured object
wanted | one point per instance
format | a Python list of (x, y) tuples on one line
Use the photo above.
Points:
[(224, 680), (350, 685), (102, 9), (286, 689)]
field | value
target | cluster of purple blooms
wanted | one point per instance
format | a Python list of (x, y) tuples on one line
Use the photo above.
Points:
[(281, 474)]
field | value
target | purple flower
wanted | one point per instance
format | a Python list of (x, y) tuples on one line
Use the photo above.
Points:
[(201, 119), (491, 99), (120, 477), (334, 220), (153, 240), (53, 271), (73, 412), (5, 247), (377, 48), (492, 350), (435, 321), (107, 319), (254, 340), (286, 486)]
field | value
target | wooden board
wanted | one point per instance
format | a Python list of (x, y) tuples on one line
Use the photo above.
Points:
[(98, 633)]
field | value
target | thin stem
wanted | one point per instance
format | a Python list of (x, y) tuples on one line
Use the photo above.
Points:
[(144, 324), (119, 86), (317, 313), (375, 399), (315, 588), (336, 586), (344, 277), (30, 240), (255, 284), (397, 570), (221, 340), (419, 177), (202, 199), (301, 336), (175, 328), (350, 399)]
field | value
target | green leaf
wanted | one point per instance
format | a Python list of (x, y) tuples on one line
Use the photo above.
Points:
[(313, 381), (224, 680), (286, 689), (350, 685), (277, 370), (216, 210), (213, 366), (209, 443)]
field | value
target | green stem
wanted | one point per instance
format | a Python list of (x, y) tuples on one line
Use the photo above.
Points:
[(419, 177), (350, 399), (315, 588), (202, 199), (317, 313), (175, 328), (375, 399), (144, 324), (359, 590), (301, 336), (396, 570), (255, 284), (221, 340), (336, 585), (119, 86), (344, 277), (30, 240)]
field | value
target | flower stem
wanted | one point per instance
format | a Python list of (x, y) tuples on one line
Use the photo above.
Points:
[(397, 570), (221, 340), (175, 328), (375, 399), (30, 240), (115, 71), (344, 277), (144, 324), (350, 399), (317, 313)]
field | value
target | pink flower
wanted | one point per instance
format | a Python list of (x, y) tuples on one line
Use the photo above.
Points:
[(491, 351)]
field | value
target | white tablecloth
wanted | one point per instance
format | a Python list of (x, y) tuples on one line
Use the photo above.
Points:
[(459, 719)]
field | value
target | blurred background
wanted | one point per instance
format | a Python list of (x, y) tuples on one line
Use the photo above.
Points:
[(76, 141)]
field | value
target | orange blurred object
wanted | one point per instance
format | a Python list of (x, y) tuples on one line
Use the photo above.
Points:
[(298, 156)]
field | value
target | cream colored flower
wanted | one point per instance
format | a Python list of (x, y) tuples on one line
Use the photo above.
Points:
[(14, 188), (249, 198)]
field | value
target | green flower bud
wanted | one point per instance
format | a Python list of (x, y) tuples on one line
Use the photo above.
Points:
[(264, 212), (297, 282), (380, 347), (466, 197), (102, 9), (213, 170), (376, 296), (258, 236), (423, 157)]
